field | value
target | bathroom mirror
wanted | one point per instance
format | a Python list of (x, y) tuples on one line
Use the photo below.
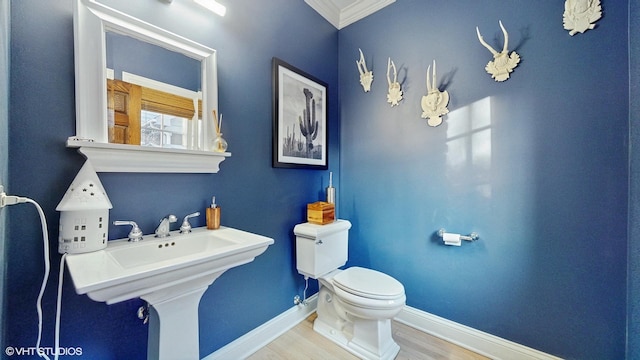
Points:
[(92, 22)]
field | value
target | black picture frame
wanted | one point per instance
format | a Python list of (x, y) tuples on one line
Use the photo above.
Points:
[(300, 132)]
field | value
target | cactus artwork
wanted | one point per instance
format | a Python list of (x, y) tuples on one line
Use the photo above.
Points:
[(308, 122), (298, 142)]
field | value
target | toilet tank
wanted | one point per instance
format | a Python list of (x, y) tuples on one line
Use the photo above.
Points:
[(321, 249)]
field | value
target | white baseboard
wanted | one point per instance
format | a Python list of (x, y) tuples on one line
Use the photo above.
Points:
[(475, 340), (464, 336), (259, 337)]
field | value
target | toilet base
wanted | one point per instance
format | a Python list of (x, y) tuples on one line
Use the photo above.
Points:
[(386, 350), (368, 339)]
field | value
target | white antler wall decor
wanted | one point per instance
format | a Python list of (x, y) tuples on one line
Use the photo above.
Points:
[(395, 94), (434, 104), (580, 15), (502, 63), (366, 76)]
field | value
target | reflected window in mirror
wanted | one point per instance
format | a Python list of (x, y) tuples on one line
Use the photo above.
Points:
[(162, 130), (147, 104), (146, 112)]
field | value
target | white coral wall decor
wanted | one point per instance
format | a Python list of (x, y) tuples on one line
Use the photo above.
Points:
[(395, 93), (366, 76), (503, 63), (434, 104), (580, 15)]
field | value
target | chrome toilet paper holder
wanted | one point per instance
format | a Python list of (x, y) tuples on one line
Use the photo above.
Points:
[(471, 237)]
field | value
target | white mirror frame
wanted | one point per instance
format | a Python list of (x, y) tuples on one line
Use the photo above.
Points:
[(90, 23)]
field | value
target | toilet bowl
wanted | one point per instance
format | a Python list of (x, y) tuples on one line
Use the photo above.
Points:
[(355, 305)]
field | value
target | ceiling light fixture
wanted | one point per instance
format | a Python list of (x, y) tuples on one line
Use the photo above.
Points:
[(213, 6)]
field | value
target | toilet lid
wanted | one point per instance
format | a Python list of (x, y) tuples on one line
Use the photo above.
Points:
[(368, 283)]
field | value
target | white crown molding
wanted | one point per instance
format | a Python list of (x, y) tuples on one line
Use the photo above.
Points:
[(341, 13)]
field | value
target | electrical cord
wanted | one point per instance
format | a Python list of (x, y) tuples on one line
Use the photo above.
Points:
[(59, 305), (47, 268), (6, 200)]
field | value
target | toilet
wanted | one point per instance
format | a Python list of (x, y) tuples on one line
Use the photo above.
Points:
[(355, 305)]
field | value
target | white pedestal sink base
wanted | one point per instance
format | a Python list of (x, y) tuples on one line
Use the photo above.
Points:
[(173, 320)]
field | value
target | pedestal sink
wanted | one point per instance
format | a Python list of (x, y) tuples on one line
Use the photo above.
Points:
[(171, 274)]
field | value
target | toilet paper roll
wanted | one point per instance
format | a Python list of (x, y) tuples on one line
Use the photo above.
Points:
[(452, 239)]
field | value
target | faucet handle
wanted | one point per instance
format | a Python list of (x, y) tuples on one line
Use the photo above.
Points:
[(185, 228), (135, 234)]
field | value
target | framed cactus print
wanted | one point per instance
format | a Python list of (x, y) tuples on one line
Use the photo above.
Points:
[(299, 119)]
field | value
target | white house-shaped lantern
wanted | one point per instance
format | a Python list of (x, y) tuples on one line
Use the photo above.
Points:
[(84, 214)]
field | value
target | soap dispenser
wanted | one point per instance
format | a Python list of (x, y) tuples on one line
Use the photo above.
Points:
[(213, 215)]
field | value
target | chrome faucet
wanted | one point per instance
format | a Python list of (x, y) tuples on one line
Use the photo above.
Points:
[(135, 234), (185, 228), (165, 226)]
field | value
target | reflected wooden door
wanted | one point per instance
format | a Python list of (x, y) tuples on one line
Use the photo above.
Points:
[(124, 107)]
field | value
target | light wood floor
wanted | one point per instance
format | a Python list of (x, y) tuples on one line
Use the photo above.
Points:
[(302, 343)]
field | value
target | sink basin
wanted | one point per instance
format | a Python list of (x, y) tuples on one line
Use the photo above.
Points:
[(171, 274), (167, 250), (127, 270)]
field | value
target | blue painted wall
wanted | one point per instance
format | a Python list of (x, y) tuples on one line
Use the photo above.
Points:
[(536, 165), (633, 333), (253, 195)]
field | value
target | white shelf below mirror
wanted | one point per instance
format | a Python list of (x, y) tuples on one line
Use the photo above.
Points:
[(131, 158)]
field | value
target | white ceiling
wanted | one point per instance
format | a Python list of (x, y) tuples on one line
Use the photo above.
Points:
[(341, 13)]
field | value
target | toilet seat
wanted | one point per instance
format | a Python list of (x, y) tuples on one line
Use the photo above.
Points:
[(368, 289), (368, 283)]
